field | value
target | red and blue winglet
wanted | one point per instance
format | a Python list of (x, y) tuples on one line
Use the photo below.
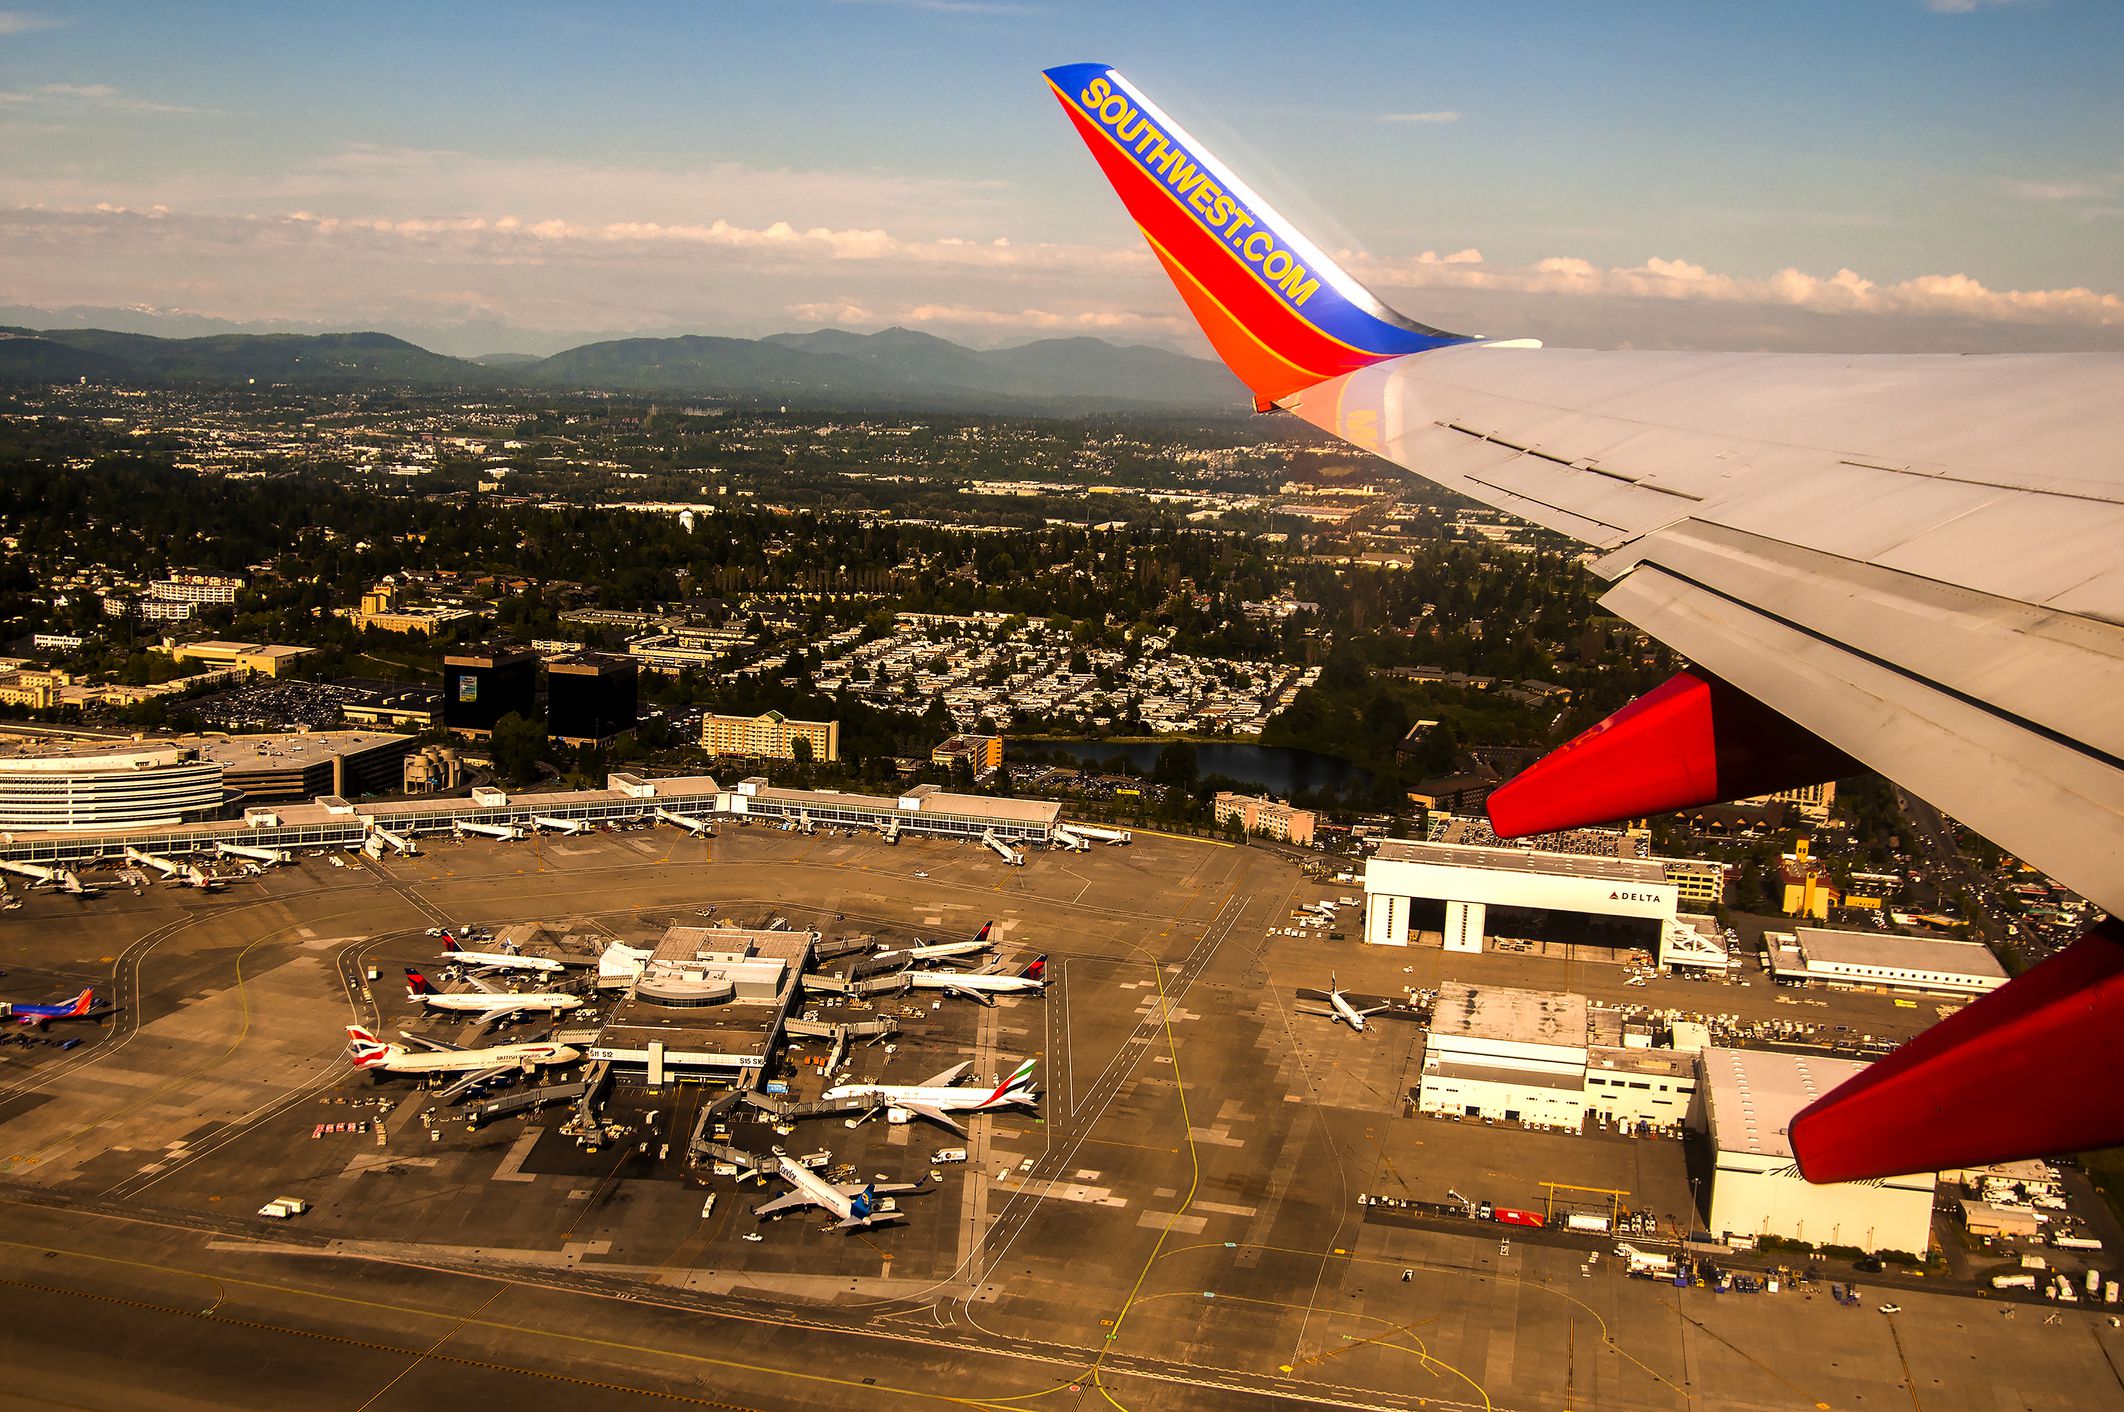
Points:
[(1281, 314)]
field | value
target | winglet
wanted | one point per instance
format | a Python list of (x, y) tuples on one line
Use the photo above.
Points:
[(1281, 314)]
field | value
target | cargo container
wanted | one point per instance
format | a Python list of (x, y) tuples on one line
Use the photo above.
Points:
[(1587, 1221), (1513, 1217), (2013, 1281)]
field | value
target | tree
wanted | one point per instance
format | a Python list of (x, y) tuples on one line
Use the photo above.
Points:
[(517, 745), (800, 750)]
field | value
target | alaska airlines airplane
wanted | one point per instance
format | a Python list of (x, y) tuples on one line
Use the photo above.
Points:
[(1914, 564)]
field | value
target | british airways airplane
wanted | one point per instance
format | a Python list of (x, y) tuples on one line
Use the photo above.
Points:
[(1957, 623)]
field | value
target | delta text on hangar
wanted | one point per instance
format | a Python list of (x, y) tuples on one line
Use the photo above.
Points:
[(1466, 892)]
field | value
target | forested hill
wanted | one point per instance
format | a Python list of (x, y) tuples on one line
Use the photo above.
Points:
[(832, 368)]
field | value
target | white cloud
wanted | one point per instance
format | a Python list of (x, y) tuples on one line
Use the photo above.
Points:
[(25, 22), (78, 96), (954, 7), (1844, 293), (1442, 115), (1964, 7)]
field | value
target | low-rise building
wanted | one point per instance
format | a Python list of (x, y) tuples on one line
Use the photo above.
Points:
[(264, 659), (1751, 1098), (1930, 965), (770, 736), (981, 753), (1262, 815), (1699, 883), (1506, 1055)]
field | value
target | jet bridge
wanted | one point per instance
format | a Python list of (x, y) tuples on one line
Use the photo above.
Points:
[(270, 856), (402, 843), (698, 827), (1003, 850), (507, 832), (557, 825)]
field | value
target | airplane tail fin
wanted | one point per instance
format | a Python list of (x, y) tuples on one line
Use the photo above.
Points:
[(1036, 970), (981, 936), (364, 1048), (82, 1003), (1279, 311), (450, 945), (416, 983), (1020, 1080)]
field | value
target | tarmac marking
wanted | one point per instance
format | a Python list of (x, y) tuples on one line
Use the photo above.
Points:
[(512, 1163)]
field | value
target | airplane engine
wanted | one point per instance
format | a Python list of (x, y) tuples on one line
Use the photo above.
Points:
[(898, 1115)]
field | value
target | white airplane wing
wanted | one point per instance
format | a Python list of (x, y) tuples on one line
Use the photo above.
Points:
[(935, 1115), (1911, 563), (442, 1046), (483, 984), (1317, 1010), (969, 993), (791, 1202), (948, 1077), (465, 1083), (493, 1019)]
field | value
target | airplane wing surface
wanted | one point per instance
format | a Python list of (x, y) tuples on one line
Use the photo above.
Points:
[(465, 1084), (791, 1202), (1910, 563), (948, 1077), (440, 1046), (935, 1115)]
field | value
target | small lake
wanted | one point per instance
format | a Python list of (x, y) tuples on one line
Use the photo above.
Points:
[(1274, 768)]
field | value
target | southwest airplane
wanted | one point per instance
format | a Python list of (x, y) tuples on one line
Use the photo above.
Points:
[(484, 1000), (854, 1205), (982, 985), (938, 1098), (476, 1065), (497, 960), (1906, 563), (41, 1015), (1340, 1008)]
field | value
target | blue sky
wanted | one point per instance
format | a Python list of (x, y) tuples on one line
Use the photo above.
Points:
[(1875, 173)]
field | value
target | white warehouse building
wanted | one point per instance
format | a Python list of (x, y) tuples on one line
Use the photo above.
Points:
[(1506, 1055), (1930, 965), (1465, 892), (1751, 1098)]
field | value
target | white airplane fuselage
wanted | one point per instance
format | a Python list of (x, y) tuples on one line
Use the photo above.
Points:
[(399, 1060), (472, 1003), (503, 961)]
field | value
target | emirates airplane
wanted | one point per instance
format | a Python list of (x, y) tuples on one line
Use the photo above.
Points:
[(1913, 564)]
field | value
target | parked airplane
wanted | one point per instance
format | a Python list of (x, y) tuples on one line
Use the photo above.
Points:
[(938, 1098), (855, 1205), (476, 1065), (983, 986), (509, 959), (81, 1007), (940, 950), (1956, 625), (1341, 1008), (486, 1000)]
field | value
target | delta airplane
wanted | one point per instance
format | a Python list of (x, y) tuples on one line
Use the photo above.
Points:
[(1341, 1009), (476, 1065), (940, 950), (509, 960), (81, 1007), (493, 1005), (854, 1205), (1957, 624), (983, 986), (938, 1098)]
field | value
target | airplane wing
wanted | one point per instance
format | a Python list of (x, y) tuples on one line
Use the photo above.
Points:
[(1307, 993), (935, 1115), (1316, 1010), (1911, 563), (880, 1188), (969, 993), (425, 1042), (948, 1077), (483, 984), (493, 1019), (451, 1091), (791, 1202)]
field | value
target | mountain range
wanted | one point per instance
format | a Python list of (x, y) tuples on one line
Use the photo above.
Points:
[(829, 368)]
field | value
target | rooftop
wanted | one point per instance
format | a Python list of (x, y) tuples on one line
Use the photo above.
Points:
[(1756, 1093), (281, 749), (1916, 953), (1520, 860), (1517, 1016)]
